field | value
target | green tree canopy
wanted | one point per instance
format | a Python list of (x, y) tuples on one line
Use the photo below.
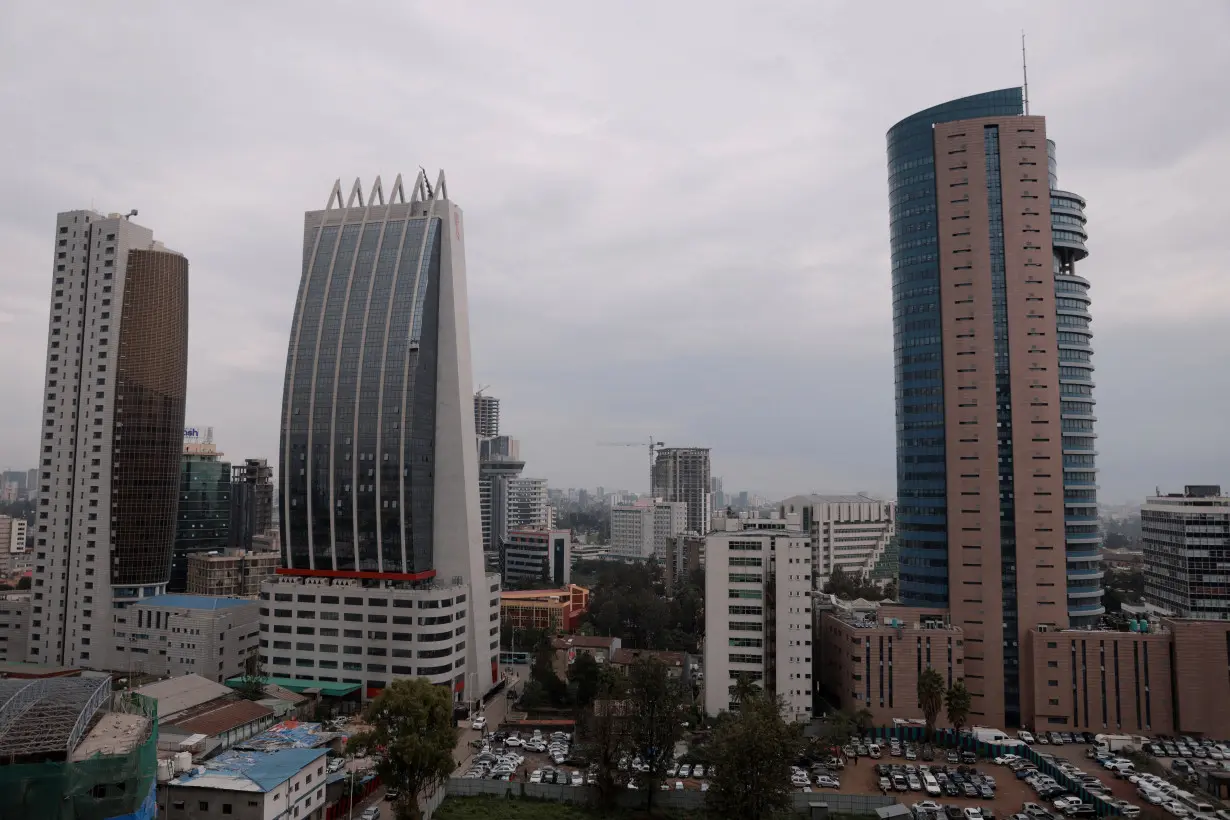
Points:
[(412, 722), (752, 750), (930, 696), (957, 699), (656, 703), (584, 675)]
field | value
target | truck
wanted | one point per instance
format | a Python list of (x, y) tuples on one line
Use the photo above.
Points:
[(1115, 743)]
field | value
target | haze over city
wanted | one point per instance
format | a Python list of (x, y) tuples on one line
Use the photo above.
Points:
[(676, 221)]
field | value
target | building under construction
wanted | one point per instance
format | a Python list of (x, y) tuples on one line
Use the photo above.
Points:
[(71, 749)]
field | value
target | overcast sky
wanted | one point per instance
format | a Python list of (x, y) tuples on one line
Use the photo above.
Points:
[(676, 212)]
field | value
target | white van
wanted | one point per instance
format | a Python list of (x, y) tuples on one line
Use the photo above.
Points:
[(930, 784)]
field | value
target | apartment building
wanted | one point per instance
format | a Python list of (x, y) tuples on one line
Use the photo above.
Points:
[(758, 617), (14, 625)]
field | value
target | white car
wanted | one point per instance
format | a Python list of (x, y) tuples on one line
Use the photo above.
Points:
[(1025, 737), (1064, 802), (800, 780), (512, 740), (1153, 797), (1004, 760), (479, 722), (827, 782), (698, 771), (1177, 809), (972, 813)]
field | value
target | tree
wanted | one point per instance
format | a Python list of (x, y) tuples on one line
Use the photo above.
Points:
[(604, 733), (583, 679), (958, 702), (753, 750), (252, 684), (930, 697), (745, 689), (412, 722), (656, 704), (23, 582)]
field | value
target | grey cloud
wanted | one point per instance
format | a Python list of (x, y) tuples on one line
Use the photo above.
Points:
[(676, 212)]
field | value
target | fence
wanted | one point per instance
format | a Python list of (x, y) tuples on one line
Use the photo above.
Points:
[(633, 799)]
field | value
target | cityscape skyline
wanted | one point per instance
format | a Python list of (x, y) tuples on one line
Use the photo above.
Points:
[(1166, 435)]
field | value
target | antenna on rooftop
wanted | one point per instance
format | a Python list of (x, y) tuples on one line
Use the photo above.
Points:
[(1024, 73)]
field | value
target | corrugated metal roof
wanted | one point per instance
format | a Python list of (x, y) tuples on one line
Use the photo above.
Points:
[(250, 771), (222, 719), (175, 695)]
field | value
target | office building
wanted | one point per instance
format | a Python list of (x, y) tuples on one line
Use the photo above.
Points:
[(870, 656), (113, 423), (996, 485), (758, 616), (486, 416), (1187, 552), (231, 573), (379, 482), (645, 529), (14, 625), (682, 474), (203, 517), (251, 502), (499, 460), (199, 634), (13, 553), (717, 497), (686, 555), (847, 531), (537, 556)]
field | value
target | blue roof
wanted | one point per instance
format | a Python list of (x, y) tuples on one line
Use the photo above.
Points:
[(267, 770), (196, 601)]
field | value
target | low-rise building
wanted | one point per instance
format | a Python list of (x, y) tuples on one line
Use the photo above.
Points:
[(871, 656), (14, 625), (286, 783), (234, 572), (676, 663), (568, 647), (554, 610), (536, 556), (180, 634)]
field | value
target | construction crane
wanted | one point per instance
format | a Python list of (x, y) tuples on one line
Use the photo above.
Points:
[(653, 448)]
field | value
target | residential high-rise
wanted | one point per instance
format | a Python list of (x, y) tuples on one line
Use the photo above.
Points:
[(997, 516), (486, 416), (847, 531), (113, 423), (203, 517), (758, 618), (251, 502), (1187, 552), (379, 470), (682, 474)]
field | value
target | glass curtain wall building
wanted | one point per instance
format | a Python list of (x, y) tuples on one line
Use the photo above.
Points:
[(203, 520), (379, 489), (996, 489)]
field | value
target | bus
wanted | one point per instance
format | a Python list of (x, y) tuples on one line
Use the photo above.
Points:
[(510, 658), (1196, 804)]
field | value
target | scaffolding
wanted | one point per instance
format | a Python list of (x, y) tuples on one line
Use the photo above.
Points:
[(71, 749), (45, 718)]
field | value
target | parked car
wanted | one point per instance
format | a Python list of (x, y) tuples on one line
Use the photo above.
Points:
[(827, 782)]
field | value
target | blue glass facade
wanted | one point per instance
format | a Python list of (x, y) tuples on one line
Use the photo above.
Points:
[(922, 528), (360, 395)]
